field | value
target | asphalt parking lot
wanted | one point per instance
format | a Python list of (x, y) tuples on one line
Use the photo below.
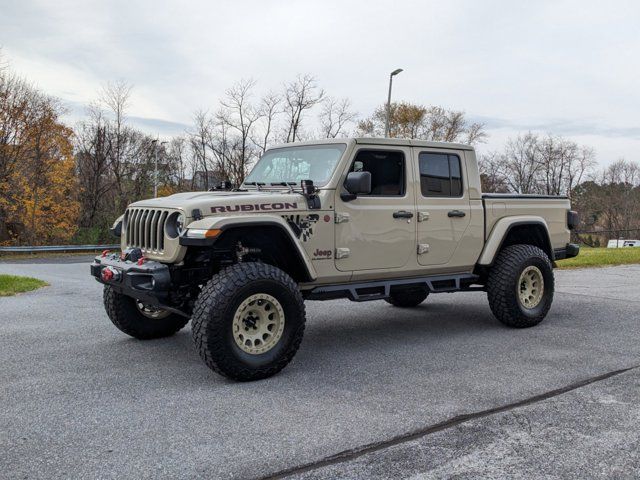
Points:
[(374, 392)]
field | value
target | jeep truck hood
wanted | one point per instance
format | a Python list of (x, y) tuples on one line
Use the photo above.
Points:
[(216, 203)]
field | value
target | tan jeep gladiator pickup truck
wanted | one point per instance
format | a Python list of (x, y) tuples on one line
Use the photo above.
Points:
[(359, 218)]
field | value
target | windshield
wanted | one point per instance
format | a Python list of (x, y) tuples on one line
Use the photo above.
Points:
[(287, 166)]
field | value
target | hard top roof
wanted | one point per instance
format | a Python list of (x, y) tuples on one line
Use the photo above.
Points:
[(379, 141)]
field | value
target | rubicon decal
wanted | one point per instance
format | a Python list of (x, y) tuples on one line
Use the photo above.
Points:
[(257, 207)]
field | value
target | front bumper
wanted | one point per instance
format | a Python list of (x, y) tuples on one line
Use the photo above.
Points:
[(571, 250), (148, 282)]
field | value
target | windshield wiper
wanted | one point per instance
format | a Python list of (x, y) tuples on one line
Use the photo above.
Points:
[(258, 185), (285, 184)]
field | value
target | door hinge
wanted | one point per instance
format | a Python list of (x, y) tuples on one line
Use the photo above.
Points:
[(423, 248), (342, 253), (341, 217), (423, 216)]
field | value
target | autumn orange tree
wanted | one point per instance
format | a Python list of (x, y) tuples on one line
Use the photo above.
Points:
[(409, 120), (37, 179)]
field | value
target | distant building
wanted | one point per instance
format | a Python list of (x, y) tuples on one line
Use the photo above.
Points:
[(205, 180)]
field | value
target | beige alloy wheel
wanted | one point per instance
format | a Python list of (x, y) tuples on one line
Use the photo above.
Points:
[(150, 311), (530, 287), (258, 323)]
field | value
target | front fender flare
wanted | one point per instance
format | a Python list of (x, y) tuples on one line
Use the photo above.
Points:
[(228, 222)]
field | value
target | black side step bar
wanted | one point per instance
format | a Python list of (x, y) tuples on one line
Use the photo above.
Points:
[(362, 292)]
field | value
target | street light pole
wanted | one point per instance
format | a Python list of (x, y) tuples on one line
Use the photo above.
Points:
[(386, 123), (155, 169)]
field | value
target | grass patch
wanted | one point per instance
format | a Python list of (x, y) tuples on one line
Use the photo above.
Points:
[(9, 257), (602, 257), (12, 284)]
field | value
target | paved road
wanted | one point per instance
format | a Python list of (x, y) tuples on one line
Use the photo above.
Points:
[(81, 399), (589, 432)]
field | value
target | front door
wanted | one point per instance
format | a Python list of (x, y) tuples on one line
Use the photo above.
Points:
[(378, 230), (442, 202)]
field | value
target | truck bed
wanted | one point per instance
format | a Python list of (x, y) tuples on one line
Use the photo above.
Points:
[(552, 209)]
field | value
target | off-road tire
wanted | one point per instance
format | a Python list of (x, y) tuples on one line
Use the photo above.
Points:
[(503, 285), (124, 314), (214, 313), (407, 299)]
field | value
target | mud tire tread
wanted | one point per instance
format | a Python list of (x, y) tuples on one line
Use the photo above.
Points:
[(124, 314), (210, 319), (501, 285)]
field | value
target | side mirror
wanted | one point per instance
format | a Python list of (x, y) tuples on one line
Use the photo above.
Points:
[(358, 183)]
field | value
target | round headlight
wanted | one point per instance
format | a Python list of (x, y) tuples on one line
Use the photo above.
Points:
[(180, 224), (174, 227)]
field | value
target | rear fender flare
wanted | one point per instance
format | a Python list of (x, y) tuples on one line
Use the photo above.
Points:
[(501, 230)]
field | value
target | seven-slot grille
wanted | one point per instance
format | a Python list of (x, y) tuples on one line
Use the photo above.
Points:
[(145, 228)]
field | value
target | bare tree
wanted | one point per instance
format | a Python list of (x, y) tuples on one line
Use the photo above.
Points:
[(521, 163), (240, 116), (622, 171), (335, 115), (492, 178), (93, 151), (177, 162), (223, 146), (199, 142), (270, 109), (301, 95), (3, 62), (475, 133), (115, 96), (549, 165), (563, 164), (611, 201)]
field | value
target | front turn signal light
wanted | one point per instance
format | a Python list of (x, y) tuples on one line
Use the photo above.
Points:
[(203, 233)]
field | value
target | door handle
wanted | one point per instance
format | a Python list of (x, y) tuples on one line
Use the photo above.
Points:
[(402, 214), (456, 213)]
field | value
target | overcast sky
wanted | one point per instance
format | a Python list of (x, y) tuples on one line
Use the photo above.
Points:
[(568, 67)]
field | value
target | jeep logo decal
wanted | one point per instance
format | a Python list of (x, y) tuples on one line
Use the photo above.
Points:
[(255, 207), (322, 254)]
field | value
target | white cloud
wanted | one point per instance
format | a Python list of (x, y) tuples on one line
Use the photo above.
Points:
[(567, 65)]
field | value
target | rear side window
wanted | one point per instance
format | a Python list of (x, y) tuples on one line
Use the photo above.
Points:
[(440, 175), (386, 168)]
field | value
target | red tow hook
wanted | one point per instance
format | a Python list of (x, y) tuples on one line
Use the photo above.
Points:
[(141, 260), (105, 253), (109, 273)]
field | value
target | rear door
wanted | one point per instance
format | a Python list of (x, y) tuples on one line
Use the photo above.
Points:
[(377, 231), (442, 202)]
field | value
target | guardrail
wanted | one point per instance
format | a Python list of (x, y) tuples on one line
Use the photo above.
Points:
[(57, 248)]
